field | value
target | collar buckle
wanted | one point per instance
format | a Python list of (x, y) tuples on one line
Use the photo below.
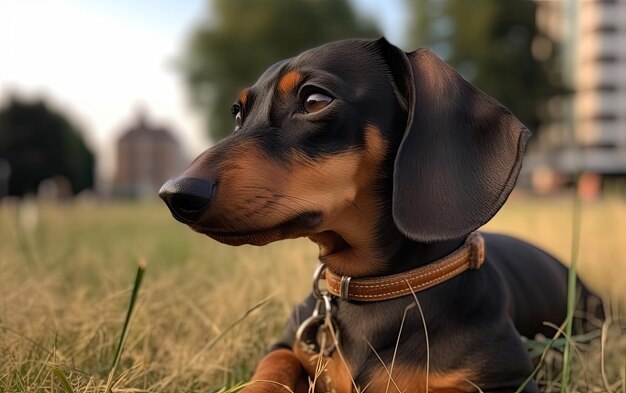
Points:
[(344, 288)]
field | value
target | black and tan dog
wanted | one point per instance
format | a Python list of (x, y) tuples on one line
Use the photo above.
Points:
[(388, 161)]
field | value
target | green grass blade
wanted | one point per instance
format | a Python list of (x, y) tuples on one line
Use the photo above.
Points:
[(63, 379), (571, 291), (544, 353), (133, 298)]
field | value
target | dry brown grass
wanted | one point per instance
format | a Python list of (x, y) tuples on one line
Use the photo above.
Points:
[(65, 285), (548, 223)]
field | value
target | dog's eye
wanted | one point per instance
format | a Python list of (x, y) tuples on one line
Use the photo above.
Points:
[(316, 102), (236, 111)]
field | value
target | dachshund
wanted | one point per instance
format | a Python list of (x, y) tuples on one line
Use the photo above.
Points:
[(389, 162)]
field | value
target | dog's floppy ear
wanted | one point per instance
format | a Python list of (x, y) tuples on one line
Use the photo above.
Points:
[(460, 154)]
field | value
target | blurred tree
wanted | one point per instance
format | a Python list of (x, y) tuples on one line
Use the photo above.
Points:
[(490, 43), (239, 39), (39, 143)]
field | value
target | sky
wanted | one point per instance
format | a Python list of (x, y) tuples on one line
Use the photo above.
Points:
[(102, 61)]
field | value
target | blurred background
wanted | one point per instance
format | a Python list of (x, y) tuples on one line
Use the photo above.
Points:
[(110, 98)]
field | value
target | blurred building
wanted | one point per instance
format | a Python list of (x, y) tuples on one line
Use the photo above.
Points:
[(586, 130), (147, 155)]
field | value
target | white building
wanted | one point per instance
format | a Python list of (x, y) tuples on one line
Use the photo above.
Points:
[(590, 39)]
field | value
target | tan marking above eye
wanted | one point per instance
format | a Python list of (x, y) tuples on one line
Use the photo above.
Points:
[(288, 82), (316, 102), (243, 97)]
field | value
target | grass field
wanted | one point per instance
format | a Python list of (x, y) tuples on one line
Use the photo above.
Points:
[(66, 273)]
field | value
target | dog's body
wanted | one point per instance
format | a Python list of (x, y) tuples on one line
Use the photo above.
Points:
[(387, 161), (474, 323)]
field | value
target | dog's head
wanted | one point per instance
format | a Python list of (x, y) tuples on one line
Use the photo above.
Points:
[(346, 139)]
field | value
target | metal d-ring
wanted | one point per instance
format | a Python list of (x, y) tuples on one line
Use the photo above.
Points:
[(323, 305), (317, 276)]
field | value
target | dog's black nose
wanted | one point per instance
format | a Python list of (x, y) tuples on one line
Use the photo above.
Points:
[(187, 197)]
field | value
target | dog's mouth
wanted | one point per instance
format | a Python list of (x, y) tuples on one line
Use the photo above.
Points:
[(330, 243), (299, 226)]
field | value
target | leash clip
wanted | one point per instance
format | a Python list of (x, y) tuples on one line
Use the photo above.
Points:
[(318, 334)]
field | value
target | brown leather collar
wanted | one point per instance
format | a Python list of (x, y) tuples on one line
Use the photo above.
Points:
[(470, 255)]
